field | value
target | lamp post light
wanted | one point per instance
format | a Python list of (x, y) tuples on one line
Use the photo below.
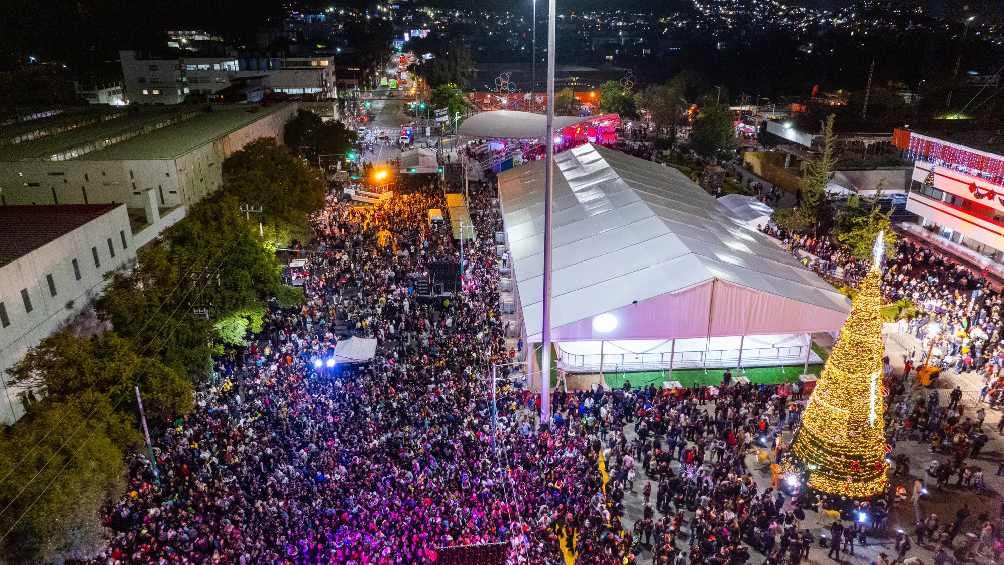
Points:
[(958, 61), (533, 52), (545, 334), (604, 324)]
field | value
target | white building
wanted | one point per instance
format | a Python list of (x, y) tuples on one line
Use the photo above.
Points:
[(111, 93), (307, 76), (170, 80), (157, 161), (53, 260), (958, 193)]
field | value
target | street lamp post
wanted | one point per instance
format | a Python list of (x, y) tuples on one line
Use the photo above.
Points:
[(958, 61), (545, 334), (533, 52)]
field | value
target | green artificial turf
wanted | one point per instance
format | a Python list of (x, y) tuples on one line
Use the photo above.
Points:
[(698, 377)]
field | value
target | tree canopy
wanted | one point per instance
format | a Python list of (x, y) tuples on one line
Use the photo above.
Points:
[(565, 103), (310, 136), (616, 99), (448, 96), (713, 134), (815, 203)]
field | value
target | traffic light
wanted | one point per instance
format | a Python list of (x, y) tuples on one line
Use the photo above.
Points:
[(352, 156), (412, 170), (367, 104), (421, 105)]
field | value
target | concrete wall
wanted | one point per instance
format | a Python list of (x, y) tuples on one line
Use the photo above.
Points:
[(49, 313)]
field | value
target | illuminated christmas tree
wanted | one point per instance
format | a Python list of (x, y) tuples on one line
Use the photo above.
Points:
[(841, 443)]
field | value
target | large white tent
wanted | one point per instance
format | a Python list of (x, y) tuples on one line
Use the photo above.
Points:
[(645, 252), (747, 209), (512, 124)]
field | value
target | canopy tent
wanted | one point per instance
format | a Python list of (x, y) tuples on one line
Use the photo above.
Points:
[(419, 161), (644, 244), (355, 350), (514, 125), (746, 210)]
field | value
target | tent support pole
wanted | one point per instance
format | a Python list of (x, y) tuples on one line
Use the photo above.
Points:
[(808, 351), (672, 354), (711, 312), (739, 364), (602, 381)]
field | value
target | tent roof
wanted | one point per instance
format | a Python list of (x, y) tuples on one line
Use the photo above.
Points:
[(629, 232), (513, 124), (745, 208)]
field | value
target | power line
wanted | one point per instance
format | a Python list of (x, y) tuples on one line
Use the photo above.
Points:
[(142, 351), (56, 425), (69, 459)]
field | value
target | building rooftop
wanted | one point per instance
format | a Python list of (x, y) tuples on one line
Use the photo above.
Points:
[(194, 127), (179, 138), (24, 229), (989, 140)]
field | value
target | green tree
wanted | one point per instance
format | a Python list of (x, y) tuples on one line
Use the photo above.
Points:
[(615, 99), (666, 107), (858, 224), (451, 97), (60, 465), (815, 203), (309, 135), (791, 220), (233, 328), (266, 174), (565, 103), (64, 367), (713, 134)]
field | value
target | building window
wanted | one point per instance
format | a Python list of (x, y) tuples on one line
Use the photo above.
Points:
[(97, 260), (4, 320), (156, 91), (146, 92), (76, 268), (52, 284), (122, 237), (26, 298), (111, 247)]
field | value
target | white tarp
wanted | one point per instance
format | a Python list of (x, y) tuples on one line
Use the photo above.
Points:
[(643, 242), (511, 124), (355, 350), (419, 161), (747, 209)]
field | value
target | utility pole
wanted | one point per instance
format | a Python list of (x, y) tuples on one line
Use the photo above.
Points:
[(146, 435), (545, 369), (247, 210), (868, 90)]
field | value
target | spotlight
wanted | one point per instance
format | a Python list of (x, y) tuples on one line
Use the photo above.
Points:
[(605, 323), (792, 480), (862, 517), (330, 362), (923, 491), (317, 363)]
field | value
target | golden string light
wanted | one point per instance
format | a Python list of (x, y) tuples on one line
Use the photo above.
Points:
[(841, 442)]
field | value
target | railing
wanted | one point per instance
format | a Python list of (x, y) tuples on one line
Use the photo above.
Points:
[(695, 359)]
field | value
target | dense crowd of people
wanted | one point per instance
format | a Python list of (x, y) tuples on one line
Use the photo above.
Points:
[(291, 458), (958, 310), (293, 455)]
